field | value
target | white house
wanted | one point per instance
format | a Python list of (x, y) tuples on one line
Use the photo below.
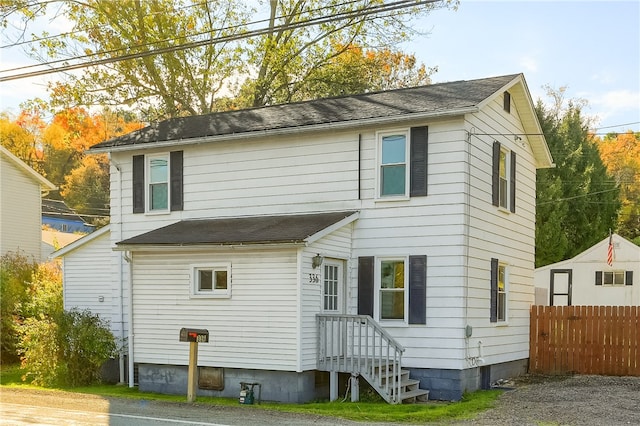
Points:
[(588, 279), (316, 238), (20, 206)]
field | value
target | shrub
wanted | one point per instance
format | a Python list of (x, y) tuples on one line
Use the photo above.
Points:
[(16, 271), (67, 350)]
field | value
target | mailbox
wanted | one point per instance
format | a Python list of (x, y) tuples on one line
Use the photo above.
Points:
[(198, 335)]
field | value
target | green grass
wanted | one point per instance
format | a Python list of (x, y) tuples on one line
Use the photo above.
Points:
[(364, 411)]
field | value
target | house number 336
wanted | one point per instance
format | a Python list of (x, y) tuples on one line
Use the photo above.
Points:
[(314, 278)]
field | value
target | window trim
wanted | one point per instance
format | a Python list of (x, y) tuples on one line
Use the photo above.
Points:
[(213, 293), (407, 163), (378, 290), (340, 286), (510, 177), (601, 278), (494, 299), (503, 266)]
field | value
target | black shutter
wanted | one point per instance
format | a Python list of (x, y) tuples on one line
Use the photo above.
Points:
[(512, 188), (138, 183), (418, 161), (507, 102), (365, 285), (628, 279), (495, 175), (494, 290), (598, 277), (176, 180), (417, 289)]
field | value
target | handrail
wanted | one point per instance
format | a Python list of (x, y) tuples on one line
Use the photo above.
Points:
[(357, 344)]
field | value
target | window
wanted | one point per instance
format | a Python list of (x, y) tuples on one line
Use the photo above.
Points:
[(392, 290), (393, 165), (614, 278), (504, 178), (391, 282), (157, 182), (402, 163), (507, 102), (331, 288), (499, 291), (211, 280)]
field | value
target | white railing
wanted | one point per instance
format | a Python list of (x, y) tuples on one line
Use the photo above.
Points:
[(357, 344)]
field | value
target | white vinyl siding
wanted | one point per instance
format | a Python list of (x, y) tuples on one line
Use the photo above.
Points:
[(256, 328), (20, 211), (87, 283)]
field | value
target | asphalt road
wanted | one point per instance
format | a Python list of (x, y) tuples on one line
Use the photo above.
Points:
[(20, 407)]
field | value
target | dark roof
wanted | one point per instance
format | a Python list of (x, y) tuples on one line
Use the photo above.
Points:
[(58, 209), (242, 230), (435, 98)]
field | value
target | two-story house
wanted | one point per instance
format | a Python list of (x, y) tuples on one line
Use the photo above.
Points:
[(380, 235)]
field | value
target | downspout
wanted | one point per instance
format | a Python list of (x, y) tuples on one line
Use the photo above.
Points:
[(120, 278), (128, 257), (467, 228)]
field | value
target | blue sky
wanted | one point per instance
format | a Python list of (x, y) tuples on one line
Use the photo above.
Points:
[(592, 47)]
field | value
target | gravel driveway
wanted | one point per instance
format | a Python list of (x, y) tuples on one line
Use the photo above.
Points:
[(575, 401)]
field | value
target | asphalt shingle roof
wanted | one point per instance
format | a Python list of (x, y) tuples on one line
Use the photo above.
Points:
[(242, 230), (433, 98)]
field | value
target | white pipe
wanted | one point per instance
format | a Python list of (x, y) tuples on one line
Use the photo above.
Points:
[(120, 278), (129, 259)]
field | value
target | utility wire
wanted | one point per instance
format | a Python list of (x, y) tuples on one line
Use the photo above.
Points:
[(233, 37)]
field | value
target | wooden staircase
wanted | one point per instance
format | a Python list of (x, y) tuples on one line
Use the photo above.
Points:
[(356, 344)]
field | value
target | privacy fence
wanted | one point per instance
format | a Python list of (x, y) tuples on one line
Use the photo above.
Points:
[(602, 340)]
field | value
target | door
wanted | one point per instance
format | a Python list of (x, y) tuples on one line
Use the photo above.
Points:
[(333, 287), (560, 287)]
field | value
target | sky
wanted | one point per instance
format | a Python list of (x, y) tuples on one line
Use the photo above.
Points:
[(590, 47)]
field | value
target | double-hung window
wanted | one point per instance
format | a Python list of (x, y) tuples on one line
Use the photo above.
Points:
[(394, 174), (504, 178), (402, 163), (392, 289), (211, 280), (499, 291), (157, 182), (158, 168)]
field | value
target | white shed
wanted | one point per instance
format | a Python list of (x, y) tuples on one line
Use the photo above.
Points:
[(588, 278)]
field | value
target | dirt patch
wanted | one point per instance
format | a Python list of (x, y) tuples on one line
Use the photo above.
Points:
[(565, 400)]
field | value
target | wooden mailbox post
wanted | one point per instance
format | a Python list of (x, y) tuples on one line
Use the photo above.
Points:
[(193, 336)]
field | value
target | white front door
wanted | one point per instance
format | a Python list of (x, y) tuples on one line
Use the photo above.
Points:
[(333, 287)]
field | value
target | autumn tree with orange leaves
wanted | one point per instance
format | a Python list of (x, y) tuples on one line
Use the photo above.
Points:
[(620, 153), (57, 150)]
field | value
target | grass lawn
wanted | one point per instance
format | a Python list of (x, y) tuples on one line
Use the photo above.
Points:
[(375, 410)]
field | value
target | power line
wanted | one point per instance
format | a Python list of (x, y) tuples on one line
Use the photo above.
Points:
[(577, 196), (341, 16)]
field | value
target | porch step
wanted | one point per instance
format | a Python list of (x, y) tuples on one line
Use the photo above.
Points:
[(413, 396)]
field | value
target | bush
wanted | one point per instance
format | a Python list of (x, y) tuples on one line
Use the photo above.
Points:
[(16, 272), (68, 350)]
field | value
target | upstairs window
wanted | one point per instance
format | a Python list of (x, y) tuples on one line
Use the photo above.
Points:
[(507, 102), (393, 165), (157, 182), (402, 163), (504, 178)]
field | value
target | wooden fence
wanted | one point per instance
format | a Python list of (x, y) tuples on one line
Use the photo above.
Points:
[(602, 340)]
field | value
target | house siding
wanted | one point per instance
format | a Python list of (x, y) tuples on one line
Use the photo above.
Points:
[(87, 281), (20, 212), (497, 233), (254, 328)]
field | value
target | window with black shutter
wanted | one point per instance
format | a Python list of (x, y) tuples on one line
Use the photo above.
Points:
[(158, 182)]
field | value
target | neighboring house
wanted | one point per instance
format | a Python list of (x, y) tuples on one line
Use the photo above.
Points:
[(57, 215), (298, 234), (20, 206), (53, 240), (588, 279)]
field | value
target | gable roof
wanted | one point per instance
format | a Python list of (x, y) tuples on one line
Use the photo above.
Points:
[(285, 229), (81, 242), (58, 209), (601, 249), (21, 165)]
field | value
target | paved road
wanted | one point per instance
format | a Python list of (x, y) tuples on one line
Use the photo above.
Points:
[(21, 407)]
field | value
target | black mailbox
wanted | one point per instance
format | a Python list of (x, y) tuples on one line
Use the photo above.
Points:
[(199, 335)]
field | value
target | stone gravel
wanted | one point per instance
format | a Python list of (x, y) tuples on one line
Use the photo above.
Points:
[(560, 401)]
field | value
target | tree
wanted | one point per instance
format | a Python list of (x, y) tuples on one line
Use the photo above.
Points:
[(621, 155), (86, 188), (577, 201), (212, 57), (21, 138)]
